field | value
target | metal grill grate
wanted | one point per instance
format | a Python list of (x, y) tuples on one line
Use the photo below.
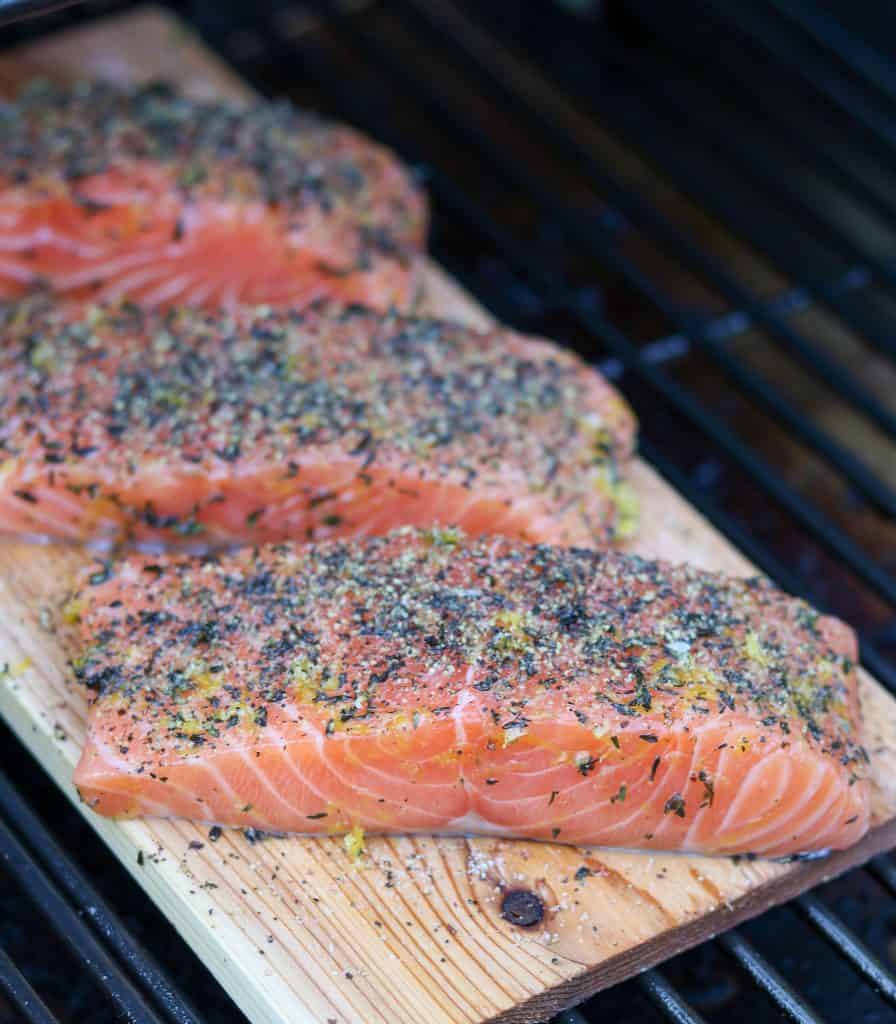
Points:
[(700, 199)]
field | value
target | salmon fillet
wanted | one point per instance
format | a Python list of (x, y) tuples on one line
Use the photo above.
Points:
[(143, 193), (427, 682), (191, 428)]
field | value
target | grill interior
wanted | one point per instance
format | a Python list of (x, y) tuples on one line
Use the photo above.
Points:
[(700, 198)]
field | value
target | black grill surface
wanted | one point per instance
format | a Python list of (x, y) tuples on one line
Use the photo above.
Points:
[(701, 198)]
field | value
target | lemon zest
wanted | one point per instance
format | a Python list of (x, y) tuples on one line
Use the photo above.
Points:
[(353, 842)]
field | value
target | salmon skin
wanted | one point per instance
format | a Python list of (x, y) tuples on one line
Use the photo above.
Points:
[(426, 682), (143, 193), (187, 428)]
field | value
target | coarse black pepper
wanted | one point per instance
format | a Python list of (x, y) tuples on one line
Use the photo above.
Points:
[(316, 416), (387, 641), (317, 180)]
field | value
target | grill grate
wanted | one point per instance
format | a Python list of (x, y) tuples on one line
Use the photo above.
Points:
[(62, 879), (738, 277), (21, 994)]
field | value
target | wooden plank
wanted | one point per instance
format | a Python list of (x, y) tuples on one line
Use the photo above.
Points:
[(292, 929)]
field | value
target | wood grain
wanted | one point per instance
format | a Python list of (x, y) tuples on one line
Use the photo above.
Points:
[(295, 931)]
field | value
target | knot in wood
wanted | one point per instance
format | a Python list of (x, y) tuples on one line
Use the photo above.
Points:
[(522, 907)]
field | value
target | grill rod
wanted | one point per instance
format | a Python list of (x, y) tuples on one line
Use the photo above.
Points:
[(838, 42), (884, 870), (664, 996), (640, 124), (774, 184), (767, 978), (70, 927), (844, 100), (15, 10), (825, 921), (23, 997), (90, 904), (684, 52)]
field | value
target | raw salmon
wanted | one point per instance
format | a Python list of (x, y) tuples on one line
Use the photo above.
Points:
[(108, 192), (425, 682), (201, 429)]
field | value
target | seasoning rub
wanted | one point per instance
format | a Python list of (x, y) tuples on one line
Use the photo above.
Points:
[(190, 428), (145, 193), (424, 681)]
